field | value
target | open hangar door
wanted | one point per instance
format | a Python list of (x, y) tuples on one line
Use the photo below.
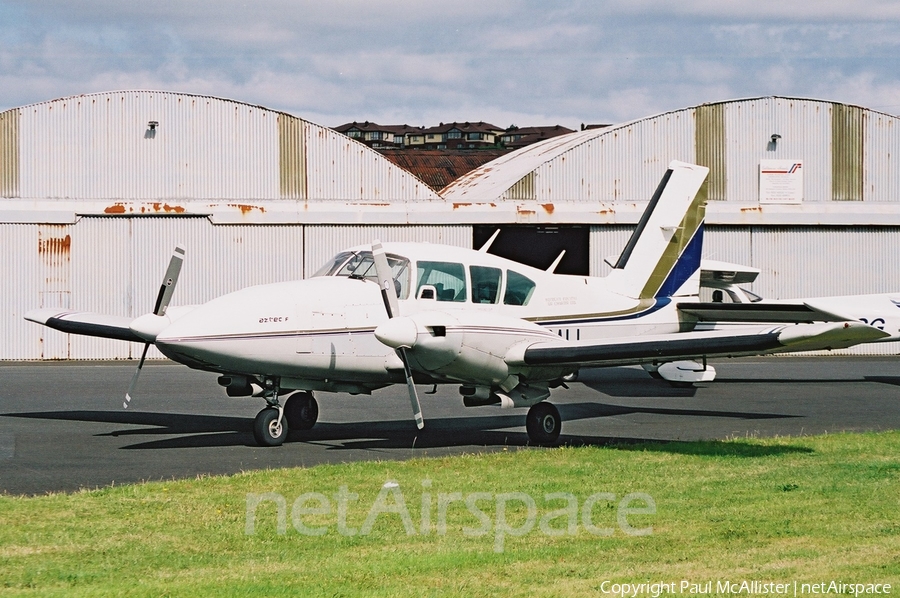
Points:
[(539, 245)]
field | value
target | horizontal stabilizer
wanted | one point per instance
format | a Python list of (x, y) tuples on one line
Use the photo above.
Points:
[(85, 323), (718, 271)]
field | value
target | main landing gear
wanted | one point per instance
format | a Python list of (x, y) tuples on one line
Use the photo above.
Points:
[(543, 423), (299, 412)]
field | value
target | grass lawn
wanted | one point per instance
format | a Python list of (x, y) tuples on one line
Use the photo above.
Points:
[(556, 522)]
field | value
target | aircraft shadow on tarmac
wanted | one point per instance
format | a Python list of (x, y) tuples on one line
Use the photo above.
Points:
[(893, 380), (194, 431), (636, 384)]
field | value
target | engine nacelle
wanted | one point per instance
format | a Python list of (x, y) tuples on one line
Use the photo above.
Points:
[(237, 385), (523, 395), (462, 345)]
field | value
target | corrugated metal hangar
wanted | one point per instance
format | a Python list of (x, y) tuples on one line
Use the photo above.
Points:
[(97, 189)]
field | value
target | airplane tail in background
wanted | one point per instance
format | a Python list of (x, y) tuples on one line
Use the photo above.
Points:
[(662, 257)]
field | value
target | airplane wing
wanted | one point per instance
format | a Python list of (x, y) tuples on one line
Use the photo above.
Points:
[(781, 312), (85, 323), (694, 345)]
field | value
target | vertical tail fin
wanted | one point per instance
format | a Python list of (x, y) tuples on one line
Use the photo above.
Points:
[(662, 257)]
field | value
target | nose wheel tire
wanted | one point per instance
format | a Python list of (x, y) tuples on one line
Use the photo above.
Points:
[(269, 429), (301, 411), (543, 424)]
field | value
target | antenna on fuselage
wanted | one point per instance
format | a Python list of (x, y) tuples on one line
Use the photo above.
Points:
[(484, 248), (556, 262)]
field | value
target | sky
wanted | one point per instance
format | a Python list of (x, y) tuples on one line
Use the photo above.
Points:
[(421, 62)]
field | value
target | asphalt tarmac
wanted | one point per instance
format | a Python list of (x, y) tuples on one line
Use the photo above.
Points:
[(62, 426)]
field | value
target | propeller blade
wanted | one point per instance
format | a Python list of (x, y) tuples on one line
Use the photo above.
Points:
[(162, 302), (392, 307), (413, 395), (168, 284), (134, 378), (385, 280)]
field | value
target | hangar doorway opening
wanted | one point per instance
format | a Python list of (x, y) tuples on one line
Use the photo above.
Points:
[(538, 246)]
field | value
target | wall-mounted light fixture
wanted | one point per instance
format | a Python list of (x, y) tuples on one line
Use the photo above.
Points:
[(153, 124), (775, 137)]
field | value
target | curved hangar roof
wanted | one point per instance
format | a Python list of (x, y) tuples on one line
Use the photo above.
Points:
[(128, 146), (848, 155)]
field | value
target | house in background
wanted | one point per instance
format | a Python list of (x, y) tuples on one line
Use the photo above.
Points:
[(379, 136), (515, 137)]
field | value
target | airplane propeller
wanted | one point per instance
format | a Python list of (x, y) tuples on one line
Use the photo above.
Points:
[(162, 302), (389, 295)]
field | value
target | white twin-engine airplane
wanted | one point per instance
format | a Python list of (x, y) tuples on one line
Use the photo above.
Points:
[(504, 332)]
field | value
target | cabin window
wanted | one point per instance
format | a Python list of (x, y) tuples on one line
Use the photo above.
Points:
[(485, 284), (519, 289), (447, 278), (361, 264)]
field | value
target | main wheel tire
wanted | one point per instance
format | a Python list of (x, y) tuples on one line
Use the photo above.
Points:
[(301, 411), (543, 423), (267, 430)]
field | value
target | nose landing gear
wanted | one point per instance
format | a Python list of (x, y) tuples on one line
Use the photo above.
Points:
[(270, 426), (299, 412)]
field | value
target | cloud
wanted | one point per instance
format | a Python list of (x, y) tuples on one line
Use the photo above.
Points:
[(521, 61)]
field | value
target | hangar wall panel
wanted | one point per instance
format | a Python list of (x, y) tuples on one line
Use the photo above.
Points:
[(810, 261), (21, 268), (324, 242), (101, 280), (805, 128), (623, 165), (102, 147), (881, 155), (9, 153), (291, 157), (847, 130), (607, 242), (711, 147), (218, 259), (339, 168), (115, 266)]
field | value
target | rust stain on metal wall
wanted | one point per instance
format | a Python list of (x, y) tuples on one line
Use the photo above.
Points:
[(246, 209), (55, 246), (117, 208), (168, 209), (548, 207)]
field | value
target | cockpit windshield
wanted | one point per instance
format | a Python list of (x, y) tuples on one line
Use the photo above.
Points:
[(361, 264)]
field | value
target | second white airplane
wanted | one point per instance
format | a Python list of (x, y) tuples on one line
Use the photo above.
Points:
[(504, 332)]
